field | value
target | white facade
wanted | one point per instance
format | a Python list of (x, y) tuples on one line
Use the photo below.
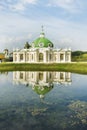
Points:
[(42, 51), (42, 55)]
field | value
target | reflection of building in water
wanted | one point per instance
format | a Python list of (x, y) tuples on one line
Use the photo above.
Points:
[(62, 77), (41, 82), (4, 72)]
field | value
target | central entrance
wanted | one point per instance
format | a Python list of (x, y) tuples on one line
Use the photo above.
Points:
[(40, 57)]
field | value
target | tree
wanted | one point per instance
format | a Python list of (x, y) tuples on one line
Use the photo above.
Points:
[(27, 46)]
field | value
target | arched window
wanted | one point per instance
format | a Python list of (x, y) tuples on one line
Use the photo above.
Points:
[(67, 57), (61, 56), (21, 75), (61, 76), (50, 57), (32, 57), (41, 44), (40, 76), (40, 57), (21, 56)]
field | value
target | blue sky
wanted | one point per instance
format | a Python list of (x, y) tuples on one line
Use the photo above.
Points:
[(64, 21)]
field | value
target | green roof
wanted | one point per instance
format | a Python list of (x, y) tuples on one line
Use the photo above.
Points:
[(42, 42), (38, 89)]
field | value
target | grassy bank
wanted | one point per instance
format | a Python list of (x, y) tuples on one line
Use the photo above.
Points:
[(68, 67), (79, 56)]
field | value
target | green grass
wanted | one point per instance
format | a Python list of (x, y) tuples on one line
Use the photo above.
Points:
[(79, 56), (77, 67)]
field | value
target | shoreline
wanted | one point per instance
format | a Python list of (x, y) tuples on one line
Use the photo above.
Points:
[(74, 67)]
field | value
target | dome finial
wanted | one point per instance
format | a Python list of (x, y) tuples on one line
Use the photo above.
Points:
[(42, 33)]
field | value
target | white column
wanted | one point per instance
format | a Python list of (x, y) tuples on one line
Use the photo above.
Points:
[(58, 57), (64, 56), (24, 57), (70, 57), (36, 56), (14, 57), (18, 57), (45, 57)]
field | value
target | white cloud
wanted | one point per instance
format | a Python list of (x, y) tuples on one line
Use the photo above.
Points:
[(62, 33), (69, 5), (15, 27), (13, 41), (19, 5), (18, 30), (66, 40), (29, 1), (62, 3)]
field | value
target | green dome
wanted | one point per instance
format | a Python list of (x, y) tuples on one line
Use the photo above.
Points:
[(42, 42), (42, 90)]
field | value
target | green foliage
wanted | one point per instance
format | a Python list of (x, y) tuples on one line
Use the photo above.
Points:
[(79, 56), (77, 53), (27, 46)]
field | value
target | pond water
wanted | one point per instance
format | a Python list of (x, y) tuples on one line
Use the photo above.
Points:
[(43, 100)]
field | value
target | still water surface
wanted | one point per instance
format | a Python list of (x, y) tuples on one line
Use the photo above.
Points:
[(43, 100)]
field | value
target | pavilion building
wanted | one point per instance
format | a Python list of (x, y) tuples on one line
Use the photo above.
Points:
[(41, 50)]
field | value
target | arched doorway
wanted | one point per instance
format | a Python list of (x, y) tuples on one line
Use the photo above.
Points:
[(40, 57)]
